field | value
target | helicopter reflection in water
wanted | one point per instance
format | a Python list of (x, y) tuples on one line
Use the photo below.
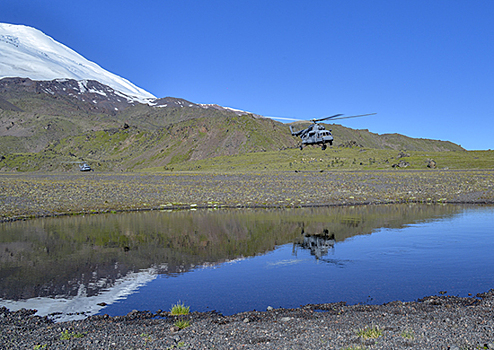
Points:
[(319, 245)]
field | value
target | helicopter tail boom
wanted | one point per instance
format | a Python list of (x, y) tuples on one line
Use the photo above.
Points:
[(295, 133)]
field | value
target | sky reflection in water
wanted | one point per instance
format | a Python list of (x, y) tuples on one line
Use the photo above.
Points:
[(452, 254)]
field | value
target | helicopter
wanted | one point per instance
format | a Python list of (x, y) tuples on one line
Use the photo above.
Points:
[(85, 167), (316, 134)]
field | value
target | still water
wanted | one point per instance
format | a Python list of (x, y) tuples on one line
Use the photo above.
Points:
[(238, 260)]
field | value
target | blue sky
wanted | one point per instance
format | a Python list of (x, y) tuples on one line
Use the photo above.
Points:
[(425, 67)]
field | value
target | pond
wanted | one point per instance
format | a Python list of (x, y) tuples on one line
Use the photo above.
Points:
[(238, 260)]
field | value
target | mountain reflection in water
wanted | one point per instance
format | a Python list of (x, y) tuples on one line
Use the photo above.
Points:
[(99, 259)]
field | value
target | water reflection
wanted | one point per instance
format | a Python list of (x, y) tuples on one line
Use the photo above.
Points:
[(102, 258), (318, 244)]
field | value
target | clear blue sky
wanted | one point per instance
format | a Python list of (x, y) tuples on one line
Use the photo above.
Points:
[(426, 67)]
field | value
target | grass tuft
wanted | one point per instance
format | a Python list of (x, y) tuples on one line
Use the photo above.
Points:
[(407, 334), (180, 309), (182, 324), (370, 333), (66, 335)]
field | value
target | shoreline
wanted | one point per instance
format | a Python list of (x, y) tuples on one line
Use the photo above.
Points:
[(434, 322), (225, 207)]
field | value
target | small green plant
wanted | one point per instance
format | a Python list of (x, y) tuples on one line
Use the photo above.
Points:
[(182, 324), (66, 335), (146, 337), (180, 309), (179, 345), (39, 346), (408, 334), (354, 348), (370, 333)]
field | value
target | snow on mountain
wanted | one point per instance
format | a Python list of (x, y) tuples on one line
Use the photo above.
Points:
[(234, 110), (29, 53)]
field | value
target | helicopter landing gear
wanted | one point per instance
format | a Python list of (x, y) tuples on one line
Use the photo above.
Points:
[(323, 147), (301, 147)]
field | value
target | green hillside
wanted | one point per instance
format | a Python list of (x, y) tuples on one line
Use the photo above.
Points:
[(336, 159), (47, 131)]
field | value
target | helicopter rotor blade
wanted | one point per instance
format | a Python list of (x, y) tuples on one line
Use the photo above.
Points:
[(333, 117), (354, 116), (320, 120)]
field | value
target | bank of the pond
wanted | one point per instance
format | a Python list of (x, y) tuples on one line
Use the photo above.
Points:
[(436, 322), (39, 195)]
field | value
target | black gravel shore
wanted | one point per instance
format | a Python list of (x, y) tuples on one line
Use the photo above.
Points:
[(436, 322)]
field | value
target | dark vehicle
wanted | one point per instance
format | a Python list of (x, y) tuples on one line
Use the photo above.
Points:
[(316, 134)]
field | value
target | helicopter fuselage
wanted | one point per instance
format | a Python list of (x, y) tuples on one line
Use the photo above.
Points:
[(315, 134)]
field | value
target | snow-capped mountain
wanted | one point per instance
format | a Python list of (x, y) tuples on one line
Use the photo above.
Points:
[(26, 52)]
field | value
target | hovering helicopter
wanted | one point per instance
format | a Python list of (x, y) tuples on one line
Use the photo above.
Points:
[(317, 134)]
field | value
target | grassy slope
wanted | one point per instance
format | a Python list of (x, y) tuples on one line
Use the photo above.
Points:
[(185, 148), (333, 159), (51, 133), (133, 148)]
